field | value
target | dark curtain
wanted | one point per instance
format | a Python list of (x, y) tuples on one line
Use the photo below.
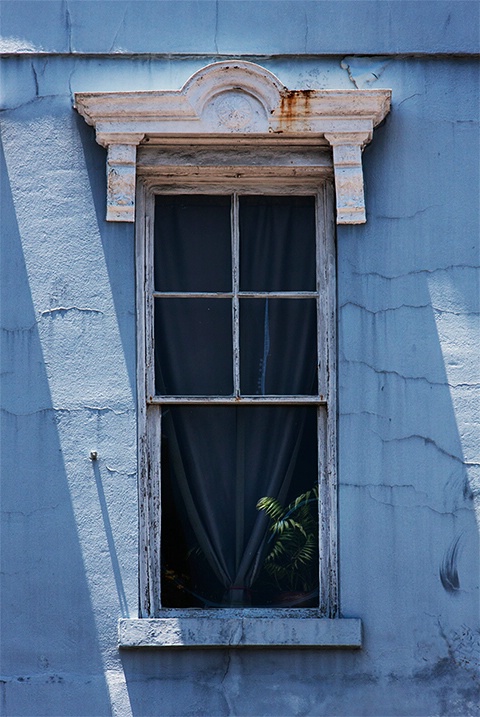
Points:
[(221, 460)]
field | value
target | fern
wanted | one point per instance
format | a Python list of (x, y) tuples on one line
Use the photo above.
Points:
[(292, 561)]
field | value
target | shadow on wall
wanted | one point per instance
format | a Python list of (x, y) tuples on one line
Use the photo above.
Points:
[(118, 243), (415, 511), (50, 652), (408, 318)]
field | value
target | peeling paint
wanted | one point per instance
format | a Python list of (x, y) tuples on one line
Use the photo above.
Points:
[(64, 309)]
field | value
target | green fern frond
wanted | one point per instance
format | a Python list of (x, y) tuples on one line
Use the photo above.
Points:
[(271, 507), (293, 558)]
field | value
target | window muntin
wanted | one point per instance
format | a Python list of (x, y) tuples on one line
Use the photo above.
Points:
[(286, 274), (200, 346)]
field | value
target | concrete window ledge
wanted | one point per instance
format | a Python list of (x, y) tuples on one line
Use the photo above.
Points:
[(231, 628)]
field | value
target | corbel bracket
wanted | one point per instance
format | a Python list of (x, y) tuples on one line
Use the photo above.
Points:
[(223, 102), (121, 170), (347, 164)]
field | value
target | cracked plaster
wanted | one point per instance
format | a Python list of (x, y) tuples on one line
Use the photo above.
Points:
[(408, 467), (72, 26), (363, 72)]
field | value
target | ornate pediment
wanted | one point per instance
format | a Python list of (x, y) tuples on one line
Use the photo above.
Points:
[(228, 100)]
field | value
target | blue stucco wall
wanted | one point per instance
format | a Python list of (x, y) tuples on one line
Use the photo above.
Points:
[(409, 419)]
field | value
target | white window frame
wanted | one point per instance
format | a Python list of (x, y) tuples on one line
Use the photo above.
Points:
[(245, 128), (202, 624), (150, 597)]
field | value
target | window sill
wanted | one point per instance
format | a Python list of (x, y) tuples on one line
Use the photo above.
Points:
[(188, 629)]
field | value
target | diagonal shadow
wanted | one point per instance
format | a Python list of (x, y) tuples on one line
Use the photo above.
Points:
[(48, 629)]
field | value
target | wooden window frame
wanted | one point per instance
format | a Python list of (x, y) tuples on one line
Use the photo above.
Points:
[(149, 414)]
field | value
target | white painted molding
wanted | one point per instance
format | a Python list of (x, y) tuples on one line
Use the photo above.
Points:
[(228, 628), (121, 168), (347, 162), (228, 100)]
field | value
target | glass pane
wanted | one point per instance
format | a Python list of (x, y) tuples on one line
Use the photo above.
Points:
[(277, 243), (220, 547), (193, 347), (278, 347), (192, 243)]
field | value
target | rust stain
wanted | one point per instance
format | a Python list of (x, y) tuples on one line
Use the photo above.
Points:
[(294, 104)]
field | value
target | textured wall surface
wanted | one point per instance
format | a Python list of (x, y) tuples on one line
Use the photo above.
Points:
[(256, 27), (408, 294)]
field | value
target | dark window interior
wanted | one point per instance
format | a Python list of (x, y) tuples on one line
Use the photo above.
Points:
[(239, 481)]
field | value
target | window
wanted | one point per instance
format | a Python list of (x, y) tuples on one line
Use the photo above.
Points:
[(236, 332), (238, 312), (237, 284), (236, 346)]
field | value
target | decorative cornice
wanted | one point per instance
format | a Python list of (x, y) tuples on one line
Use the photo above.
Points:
[(225, 100)]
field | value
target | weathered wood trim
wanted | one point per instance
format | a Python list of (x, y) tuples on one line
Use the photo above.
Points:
[(149, 452), (240, 294), (238, 400), (236, 301), (143, 478), (148, 427), (220, 182), (149, 291), (285, 155), (328, 533)]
